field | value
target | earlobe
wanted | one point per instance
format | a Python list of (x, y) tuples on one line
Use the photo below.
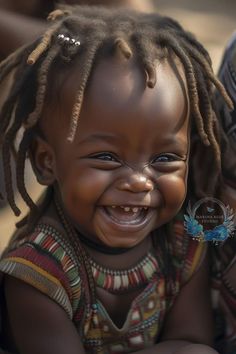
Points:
[(43, 161)]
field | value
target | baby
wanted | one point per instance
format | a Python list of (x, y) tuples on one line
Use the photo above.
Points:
[(109, 105)]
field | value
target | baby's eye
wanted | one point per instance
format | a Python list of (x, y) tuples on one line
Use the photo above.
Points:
[(166, 158), (105, 156), (104, 161)]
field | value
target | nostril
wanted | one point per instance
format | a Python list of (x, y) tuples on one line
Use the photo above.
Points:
[(150, 185), (137, 183)]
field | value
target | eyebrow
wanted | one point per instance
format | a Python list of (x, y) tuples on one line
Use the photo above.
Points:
[(110, 138), (100, 136)]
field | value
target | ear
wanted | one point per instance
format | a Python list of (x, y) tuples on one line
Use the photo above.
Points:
[(43, 161)]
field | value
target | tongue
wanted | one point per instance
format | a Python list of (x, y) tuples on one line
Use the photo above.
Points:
[(123, 216)]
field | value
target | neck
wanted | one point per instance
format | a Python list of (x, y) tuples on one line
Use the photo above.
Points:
[(99, 247)]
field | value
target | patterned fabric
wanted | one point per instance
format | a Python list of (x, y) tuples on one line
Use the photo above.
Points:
[(46, 261)]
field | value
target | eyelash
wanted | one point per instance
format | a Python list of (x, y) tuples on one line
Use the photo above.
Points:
[(168, 158), (101, 156), (110, 157)]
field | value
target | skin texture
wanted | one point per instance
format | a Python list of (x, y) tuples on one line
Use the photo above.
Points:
[(130, 149)]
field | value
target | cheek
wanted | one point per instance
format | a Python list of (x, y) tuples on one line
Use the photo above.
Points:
[(173, 188), (83, 186)]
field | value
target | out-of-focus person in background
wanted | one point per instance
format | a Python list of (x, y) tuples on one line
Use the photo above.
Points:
[(224, 257), (227, 74)]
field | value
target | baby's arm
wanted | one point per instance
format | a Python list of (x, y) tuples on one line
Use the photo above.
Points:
[(191, 318), (38, 324), (188, 327)]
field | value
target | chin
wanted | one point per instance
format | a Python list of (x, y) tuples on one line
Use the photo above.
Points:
[(121, 243)]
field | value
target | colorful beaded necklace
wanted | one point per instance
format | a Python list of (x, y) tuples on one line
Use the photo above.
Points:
[(127, 279)]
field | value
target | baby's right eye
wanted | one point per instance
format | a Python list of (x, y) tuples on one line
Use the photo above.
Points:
[(104, 161), (105, 156)]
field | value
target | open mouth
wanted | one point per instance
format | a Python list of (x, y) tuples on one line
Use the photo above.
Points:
[(127, 215)]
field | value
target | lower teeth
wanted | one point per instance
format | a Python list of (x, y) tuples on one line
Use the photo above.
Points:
[(124, 217)]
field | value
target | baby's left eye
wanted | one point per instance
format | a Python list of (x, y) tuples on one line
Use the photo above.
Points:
[(166, 158)]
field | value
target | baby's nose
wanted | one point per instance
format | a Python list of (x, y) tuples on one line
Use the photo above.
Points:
[(136, 183)]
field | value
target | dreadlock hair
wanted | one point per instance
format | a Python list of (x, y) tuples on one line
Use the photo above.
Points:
[(88, 34), (149, 37)]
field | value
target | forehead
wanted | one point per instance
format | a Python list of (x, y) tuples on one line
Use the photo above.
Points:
[(117, 88), (122, 88)]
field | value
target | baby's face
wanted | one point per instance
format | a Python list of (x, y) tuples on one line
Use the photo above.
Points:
[(125, 172)]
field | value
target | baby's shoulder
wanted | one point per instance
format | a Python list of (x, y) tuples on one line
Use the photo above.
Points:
[(46, 239), (45, 260)]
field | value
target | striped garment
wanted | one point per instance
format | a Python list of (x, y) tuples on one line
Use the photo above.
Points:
[(47, 261)]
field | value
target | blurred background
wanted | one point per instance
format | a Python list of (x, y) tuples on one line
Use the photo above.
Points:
[(212, 21)]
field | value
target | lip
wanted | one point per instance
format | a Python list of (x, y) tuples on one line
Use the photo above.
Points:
[(127, 227)]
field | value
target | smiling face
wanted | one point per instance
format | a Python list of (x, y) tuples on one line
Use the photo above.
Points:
[(125, 173)]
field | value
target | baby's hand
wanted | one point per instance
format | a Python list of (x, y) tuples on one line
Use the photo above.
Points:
[(196, 349)]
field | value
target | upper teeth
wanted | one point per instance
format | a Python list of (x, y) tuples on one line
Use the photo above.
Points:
[(134, 209)]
